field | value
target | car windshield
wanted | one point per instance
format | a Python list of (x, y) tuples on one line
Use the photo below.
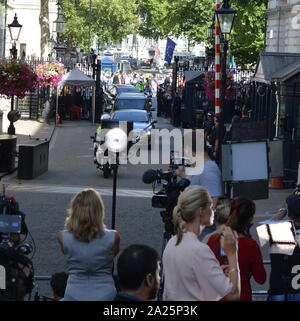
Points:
[(130, 104), (128, 90), (130, 116)]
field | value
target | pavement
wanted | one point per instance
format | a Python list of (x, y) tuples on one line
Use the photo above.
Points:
[(25, 127)]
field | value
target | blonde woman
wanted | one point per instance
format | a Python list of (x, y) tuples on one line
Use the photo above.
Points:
[(221, 215), (191, 270), (89, 248)]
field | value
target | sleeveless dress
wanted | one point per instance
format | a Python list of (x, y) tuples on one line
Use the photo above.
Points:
[(90, 268)]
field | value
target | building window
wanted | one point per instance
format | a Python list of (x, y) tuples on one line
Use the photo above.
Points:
[(23, 50)]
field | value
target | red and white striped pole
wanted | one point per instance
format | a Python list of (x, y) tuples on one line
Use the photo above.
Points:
[(217, 65)]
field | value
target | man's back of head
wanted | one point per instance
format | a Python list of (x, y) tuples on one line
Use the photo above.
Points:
[(138, 271)]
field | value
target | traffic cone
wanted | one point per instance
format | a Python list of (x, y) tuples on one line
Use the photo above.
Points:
[(276, 182)]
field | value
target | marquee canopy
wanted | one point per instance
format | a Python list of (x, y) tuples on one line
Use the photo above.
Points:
[(76, 78)]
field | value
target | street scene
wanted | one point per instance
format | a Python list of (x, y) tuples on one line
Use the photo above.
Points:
[(87, 210)]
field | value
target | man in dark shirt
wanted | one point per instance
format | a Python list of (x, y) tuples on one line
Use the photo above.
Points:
[(138, 273)]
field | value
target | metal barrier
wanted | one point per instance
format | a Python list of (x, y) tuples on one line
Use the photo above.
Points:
[(42, 278)]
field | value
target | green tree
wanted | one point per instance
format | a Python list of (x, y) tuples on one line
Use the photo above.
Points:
[(110, 20), (249, 30), (191, 18), (153, 14)]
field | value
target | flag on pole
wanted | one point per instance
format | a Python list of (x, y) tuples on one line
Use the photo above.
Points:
[(169, 50)]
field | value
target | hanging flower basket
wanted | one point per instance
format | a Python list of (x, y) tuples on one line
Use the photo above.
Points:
[(49, 73), (209, 86), (16, 78)]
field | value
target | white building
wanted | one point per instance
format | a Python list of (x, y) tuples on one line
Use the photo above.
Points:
[(28, 13), (283, 26), (139, 47)]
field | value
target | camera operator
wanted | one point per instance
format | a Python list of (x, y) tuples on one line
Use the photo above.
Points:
[(18, 267), (283, 277), (210, 177)]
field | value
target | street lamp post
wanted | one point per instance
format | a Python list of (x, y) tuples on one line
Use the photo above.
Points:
[(225, 16), (14, 30), (210, 36), (51, 45), (60, 27)]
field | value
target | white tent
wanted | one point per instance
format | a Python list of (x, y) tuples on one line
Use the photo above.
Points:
[(76, 78)]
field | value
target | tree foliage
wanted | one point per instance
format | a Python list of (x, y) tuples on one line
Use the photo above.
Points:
[(191, 18), (249, 30), (113, 20), (153, 15), (109, 20)]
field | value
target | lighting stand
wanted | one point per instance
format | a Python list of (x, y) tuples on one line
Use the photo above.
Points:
[(114, 196)]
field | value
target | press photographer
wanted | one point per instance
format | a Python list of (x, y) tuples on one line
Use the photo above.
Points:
[(17, 272)]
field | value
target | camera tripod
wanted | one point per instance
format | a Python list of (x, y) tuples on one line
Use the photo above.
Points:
[(168, 233)]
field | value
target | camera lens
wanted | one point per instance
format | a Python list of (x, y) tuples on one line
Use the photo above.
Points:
[(25, 248)]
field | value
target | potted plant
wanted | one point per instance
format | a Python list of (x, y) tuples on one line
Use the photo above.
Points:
[(49, 74), (16, 79), (209, 86)]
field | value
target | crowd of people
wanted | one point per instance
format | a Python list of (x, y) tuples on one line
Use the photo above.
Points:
[(211, 256), (143, 81), (220, 266)]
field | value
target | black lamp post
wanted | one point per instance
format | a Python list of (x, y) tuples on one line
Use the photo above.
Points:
[(211, 29), (210, 51), (60, 27), (51, 45), (225, 16), (14, 30)]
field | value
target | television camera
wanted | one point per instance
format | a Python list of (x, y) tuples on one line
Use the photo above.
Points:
[(166, 198), (18, 268)]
